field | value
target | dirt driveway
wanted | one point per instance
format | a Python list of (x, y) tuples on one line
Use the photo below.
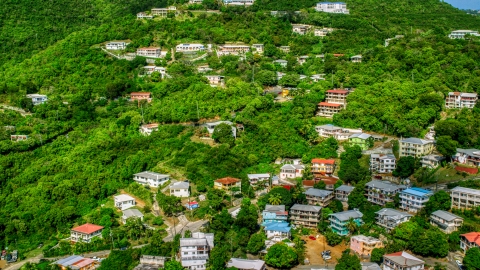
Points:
[(314, 249)]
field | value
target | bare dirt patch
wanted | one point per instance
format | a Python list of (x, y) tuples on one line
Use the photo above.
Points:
[(139, 202), (314, 249)]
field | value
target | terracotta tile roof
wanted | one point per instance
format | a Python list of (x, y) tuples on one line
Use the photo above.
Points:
[(227, 180), (308, 183), (323, 161), (329, 104), (338, 54), (83, 262), (329, 180), (87, 228), (473, 237), (338, 91)]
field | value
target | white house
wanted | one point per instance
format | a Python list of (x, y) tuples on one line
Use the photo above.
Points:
[(258, 48), (131, 213), (244, 264), (281, 62), (301, 29), (259, 177), (290, 171), (318, 77), (180, 189), (37, 99), (151, 179), (391, 218), (446, 221), (402, 260), (322, 32), (147, 129), (211, 127), (414, 199), (195, 251), (238, 2), (85, 233), (123, 201), (215, 80), (356, 59), (116, 45), (467, 156), (382, 163), (152, 52), (460, 34), (190, 47), (143, 15), (332, 7), (459, 100)]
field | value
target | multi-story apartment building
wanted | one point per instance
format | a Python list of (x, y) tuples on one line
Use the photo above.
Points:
[(415, 147), (322, 167), (465, 198), (152, 52), (195, 251), (244, 264), (446, 221), (305, 215), (382, 192), (85, 233), (291, 171), (37, 99), (363, 245), (391, 218), (189, 47), (467, 156), (335, 101), (469, 240), (342, 192), (458, 100), (414, 199), (274, 214), (151, 179), (462, 33), (381, 163), (337, 96), (319, 197), (163, 12), (431, 161), (402, 260), (227, 183), (332, 7), (327, 109), (339, 221)]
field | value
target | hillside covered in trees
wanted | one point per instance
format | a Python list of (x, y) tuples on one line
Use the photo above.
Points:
[(84, 142)]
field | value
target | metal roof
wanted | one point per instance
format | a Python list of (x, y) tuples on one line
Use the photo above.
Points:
[(318, 192), (384, 185), (132, 213), (466, 190), (258, 175), (347, 215), (345, 188), (392, 213), (416, 141), (246, 264), (180, 185), (152, 175), (370, 266), (274, 208), (123, 198), (303, 207), (69, 260), (362, 136), (445, 215), (402, 258), (417, 191), (277, 226)]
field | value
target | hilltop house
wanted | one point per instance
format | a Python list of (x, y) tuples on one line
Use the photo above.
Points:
[(147, 129), (37, 99), (469, 240), (322, 167), (332, 7), (319, 197), (322, 32), (285, 49), (274, 214), (151, 52), (150, 69), (301, 29), (356, 59), (138, 96), (302, 59), (338, 133), (151, 179), (339, 221), (465, 198), (116, 45), (163, 12), (402, 260), (233, 49), (361, 139), (364, 245), (195, 251), (257, 178), (258, 48), (335, 101), (305, 215), (85, 232), (467, 156), (290, 171), (457, 100), (415, 147), (277, 231), (446, 221), (382, 192), (342, 192), (204, 68), (381, 163), (460, 34), (244, 264), (227, 183), (180, 189), (211, 127), (189, 47), (317, 77), (144, 15), (215, 80), (131, 213), (414, 199), (281, 62), (238, 2), (391, 218), (123, 201)]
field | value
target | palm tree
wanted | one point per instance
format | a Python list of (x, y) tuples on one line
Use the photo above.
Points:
[(275, 199), (352, 226)]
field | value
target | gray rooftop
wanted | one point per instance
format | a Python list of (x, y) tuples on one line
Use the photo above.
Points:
[(180, 185), (384, 185), (132, 213), (347, 215), (345, 188), (152, 175), (69, 260), (293, 167), (404, 259), (445, 215), (258, 175), (274, 208), (416, 141), (246, 264), (303, 207), (466, 190), (395, 214), (318, 192), (362, 136), (471, 152), (370, 266), (328, 127)]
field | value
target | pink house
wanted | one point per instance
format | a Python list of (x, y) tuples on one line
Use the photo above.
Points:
[(141, 96), (363, 245)]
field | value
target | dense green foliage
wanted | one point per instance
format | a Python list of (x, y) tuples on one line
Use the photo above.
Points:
[(471, 260), (281, 256)]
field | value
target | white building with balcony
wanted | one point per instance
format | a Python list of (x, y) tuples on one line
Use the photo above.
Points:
[(195, 251), (116, 45), (465, 198), (332, 7), (382, 192), (391, 218), (381, 163), (85, 233), (190, 47), (467, 156), (431, 161), (446, 221), (37, 99), (291, 171), (457, 100), (402, 261), (414, 199), (460, 34), (305, 215), (151, 179), (415, 147), (259, 178), (338, 133), (123, 201)]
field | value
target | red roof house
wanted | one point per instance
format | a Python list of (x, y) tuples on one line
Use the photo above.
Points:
[(469, 240), (85, 232), (226, 183)]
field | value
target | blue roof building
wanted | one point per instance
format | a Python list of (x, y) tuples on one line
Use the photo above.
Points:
[(414, 199), (277, 231), (274, 213)]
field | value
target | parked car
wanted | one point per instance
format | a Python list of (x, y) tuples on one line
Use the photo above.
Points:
[(459, 264)]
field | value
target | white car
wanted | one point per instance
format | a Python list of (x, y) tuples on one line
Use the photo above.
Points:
[(460, 265)]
